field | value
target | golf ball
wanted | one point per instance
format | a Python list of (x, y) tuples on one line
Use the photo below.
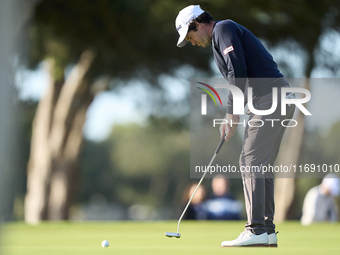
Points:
[(105, 244)]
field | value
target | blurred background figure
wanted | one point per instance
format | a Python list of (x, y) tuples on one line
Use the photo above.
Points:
[(196, 209), (319, 204), (222, 205)]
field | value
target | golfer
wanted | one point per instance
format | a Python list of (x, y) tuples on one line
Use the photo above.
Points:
[(245, 62)]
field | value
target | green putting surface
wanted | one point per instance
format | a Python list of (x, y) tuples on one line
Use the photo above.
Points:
[(198, 237)]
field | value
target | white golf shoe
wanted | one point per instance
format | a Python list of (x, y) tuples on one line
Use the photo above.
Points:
[(272, 240), (248, 239)]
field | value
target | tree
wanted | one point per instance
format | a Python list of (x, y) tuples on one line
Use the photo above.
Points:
[(99, 40), (104, 40)]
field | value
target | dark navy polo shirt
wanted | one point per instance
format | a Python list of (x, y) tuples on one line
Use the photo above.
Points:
[(243, 60)]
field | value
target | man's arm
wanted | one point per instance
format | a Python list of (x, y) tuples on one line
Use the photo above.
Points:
[(228, 41)]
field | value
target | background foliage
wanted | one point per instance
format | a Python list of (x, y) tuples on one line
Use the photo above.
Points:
[(136, 40)]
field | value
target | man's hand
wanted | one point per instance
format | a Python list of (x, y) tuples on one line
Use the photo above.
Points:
[(229, 127)]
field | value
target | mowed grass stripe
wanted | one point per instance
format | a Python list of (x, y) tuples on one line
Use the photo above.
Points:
[(198, 237)]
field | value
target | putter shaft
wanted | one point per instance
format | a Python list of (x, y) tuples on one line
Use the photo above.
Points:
[(199, 183), (193, 194)]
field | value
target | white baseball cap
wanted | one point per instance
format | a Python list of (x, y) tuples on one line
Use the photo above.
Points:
[(332, 182), (183, 20)]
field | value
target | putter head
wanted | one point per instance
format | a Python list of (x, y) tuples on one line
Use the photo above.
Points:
[(171, 234)]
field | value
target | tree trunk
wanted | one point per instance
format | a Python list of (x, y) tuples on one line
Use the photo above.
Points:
[(289, 154), (57, 113), (65, 166), (40, 159)]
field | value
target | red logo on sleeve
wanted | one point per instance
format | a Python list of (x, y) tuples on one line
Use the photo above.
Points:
[(228, 49)]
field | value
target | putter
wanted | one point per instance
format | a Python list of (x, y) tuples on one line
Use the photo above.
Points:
[(178, 235)]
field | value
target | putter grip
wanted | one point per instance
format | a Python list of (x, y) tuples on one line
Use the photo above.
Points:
[(220, 144)]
